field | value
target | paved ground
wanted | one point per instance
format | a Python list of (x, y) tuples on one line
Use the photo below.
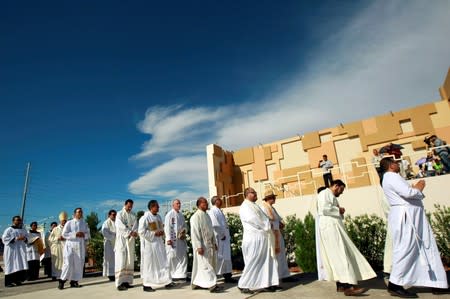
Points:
[(100, 288)]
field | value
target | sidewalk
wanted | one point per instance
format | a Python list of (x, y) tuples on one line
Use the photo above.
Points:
[(100, 288)]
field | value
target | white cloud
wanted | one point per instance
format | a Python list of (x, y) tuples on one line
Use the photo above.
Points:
[(178, 177), (174, 129), (390, 56)]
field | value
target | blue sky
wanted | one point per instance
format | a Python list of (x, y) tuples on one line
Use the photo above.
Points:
[(112, 100)]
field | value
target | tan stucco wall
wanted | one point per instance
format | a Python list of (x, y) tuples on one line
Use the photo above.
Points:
[(290, 166)]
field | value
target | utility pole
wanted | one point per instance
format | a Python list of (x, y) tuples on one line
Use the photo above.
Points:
[(25, 189)]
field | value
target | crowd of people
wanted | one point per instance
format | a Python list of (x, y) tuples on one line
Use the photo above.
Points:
[(411, 254)]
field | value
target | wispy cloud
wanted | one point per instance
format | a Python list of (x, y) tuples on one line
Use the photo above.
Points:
[(388, 57)]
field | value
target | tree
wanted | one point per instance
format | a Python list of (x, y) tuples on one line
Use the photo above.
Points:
[(93, 221)]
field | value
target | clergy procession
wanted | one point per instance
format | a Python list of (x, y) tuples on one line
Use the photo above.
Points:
[(411, 256)]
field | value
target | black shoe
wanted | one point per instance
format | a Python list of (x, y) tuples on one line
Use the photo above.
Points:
[(276, 288), (230, 280), (74, 284), (122, 287), (18, 283), (289, 279), (111, 278), (148, 289), (215, 289), (402, 293), (127, 285), (187, 279), (195, 287), (246, 291), (170, 285), (437, 291), (61, 284)]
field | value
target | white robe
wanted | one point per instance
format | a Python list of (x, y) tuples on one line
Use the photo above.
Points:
[(261, 268), (174, 225), (74, 249), (57, 250), (416, 260), (155, 270), (32, 249), (283, 269), (15, 252), (202, 236), (339, 257), (387, 257), (221, 231), (124, 247), (109, 238)]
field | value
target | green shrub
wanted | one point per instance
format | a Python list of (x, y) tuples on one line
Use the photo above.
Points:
[(305, 243), (440, 223), (236, 233), (291, 223), (368, 233)]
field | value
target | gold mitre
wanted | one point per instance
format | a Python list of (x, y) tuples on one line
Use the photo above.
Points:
[(62, 216)]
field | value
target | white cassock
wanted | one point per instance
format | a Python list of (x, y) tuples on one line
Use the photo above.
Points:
[(339, 258), (32, 249), (74, 249), (124, 247), (15, 251), (222, 234), (202, 236), (258, 249), (387, 257), (57, 250), (155, 270), (174, 228), (416, 260), (109, 238), (275, 219)]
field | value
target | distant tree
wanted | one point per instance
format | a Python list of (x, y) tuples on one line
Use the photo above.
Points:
[(139, 214), (93, 221)]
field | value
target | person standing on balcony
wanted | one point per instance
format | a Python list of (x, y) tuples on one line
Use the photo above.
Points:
[(109, 239), (416, 260), (339, 258), (326, 166), (441, 150), (222, 234)]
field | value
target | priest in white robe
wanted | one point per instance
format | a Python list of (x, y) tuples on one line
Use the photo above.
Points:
[(176, 247), (124, 253), (33, 251), (108, 231), (15, 253), (222, 234), (277, 224), (76, 233), (258, 248), (341, 260), (204, 249), (416, 259), (57, 243), (155, 270)]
